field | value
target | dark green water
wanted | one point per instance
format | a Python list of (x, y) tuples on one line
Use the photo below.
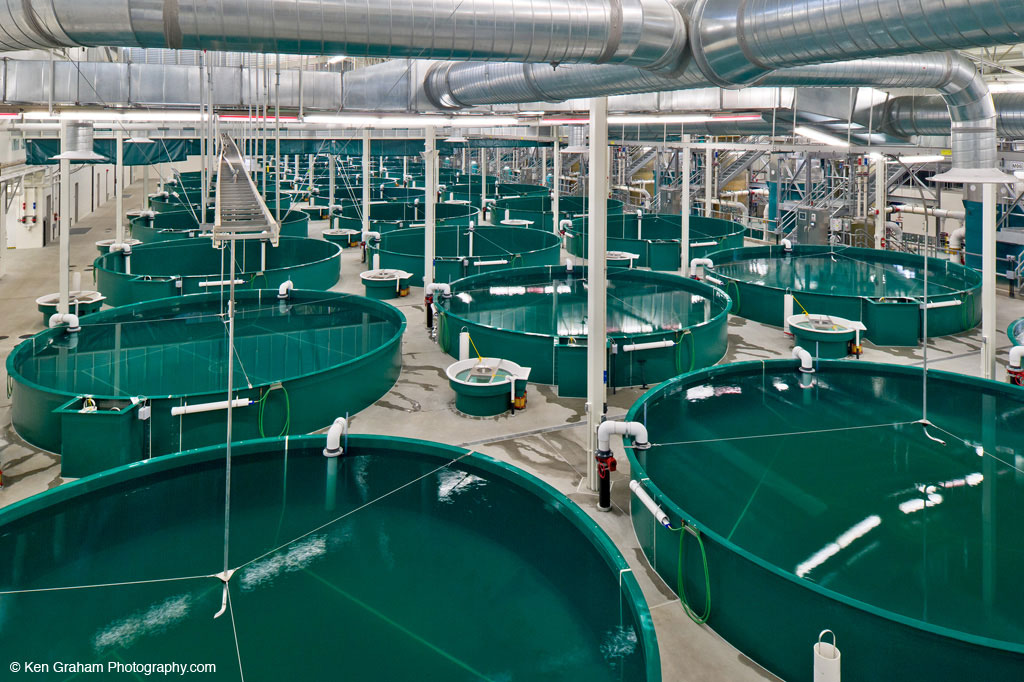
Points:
[(459, 576), (842, 276), (558, 306), (185, 350), (1016, 331), (883, 515)]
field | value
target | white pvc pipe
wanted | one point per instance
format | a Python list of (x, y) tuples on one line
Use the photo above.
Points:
[(635, 429), (787, 245), (433, 287), (1016, 356), (338, 429), (71, 319), (806, 361), (463, 346), (647, 346), (787, 311), (700, 262), (209, 407), (944, 304), (956, 244), (285, 289), (565, 225), (937, 212), (701, 244), (649, 502), (223, 282), (568, 264), (491, 262)]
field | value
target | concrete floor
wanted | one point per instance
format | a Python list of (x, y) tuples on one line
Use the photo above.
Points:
[(548, 439)]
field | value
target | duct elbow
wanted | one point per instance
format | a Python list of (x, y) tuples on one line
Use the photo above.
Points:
[(69, 319), (338, 430), (607, 429), (806, 361), (285, 290)]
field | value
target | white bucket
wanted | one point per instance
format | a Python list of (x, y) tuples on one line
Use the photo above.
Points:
[(826, 659)]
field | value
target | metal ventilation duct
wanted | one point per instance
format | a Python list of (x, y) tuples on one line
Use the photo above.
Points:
[(78, 142), (907, 116), (737, 41), (650, 33)]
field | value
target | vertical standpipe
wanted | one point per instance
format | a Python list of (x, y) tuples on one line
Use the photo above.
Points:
[(597, 282)]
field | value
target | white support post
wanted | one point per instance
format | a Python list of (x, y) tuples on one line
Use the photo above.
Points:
[(684, 206), (366, 180), (556, 171), (4, 189), (597, 281), (119, 191), (145, 187), (880, 201), (277, 140), (64, 271), (988, 281), (709, 180), (430, 197), (331, 169), (483, 182)]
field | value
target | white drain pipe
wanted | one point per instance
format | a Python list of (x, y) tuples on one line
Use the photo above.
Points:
[(659, 515), (334, 435), (706, 263), (956, 244), (606, 463), (70, 319), (806, 361)]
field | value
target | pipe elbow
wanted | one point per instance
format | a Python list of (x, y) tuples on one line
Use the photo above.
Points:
[(1016, 357), (285, 290), (70, 319), (439, 287), (695, 263), (338, 430), (806, 361), (607, 429), (369, 234), (787, 245)]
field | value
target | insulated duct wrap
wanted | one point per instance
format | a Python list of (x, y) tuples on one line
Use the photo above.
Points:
[(649, 33)]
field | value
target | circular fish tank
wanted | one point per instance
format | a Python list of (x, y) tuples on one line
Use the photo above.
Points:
[(824, 336), (821, 501), (182, 224), (538, 210), (660, 325), (460, 252), (882, 289), (485, 387), (299, 363), (468, 188), (385, 284), (1016, 332), (388, 216), (324, 545), (343, 236), (194, 266), (79, 303), (656, 238)]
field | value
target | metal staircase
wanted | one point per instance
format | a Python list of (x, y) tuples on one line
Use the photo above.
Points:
[(240, 211)]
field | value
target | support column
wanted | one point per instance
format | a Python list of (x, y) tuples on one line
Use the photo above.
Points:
[(430, 197), (64, 268), (556, 173), (709, 181), (988, 281), (119, 191), (880, 202), (684, 206), (597, 280), (483, 183), (3, 227), (366, 180), (145, 187), (331, 168)]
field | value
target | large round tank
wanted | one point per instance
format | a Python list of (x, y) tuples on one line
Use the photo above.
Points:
[(398, 560), (882, 289), (170, 225), (302, 361), (656, 238), (1016, 332), (469, 188), (395, 215), (458, 254), (536, 317), (193, 266), (822, 502), (538, 210)]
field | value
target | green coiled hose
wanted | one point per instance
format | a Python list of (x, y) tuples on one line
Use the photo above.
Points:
[(287, 407), (702, 618)]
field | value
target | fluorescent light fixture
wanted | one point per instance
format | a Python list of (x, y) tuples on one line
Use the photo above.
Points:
[(360, 121), (924, 158), (337, 59), (456, 139), (141, 139), (1004, 86), (532, 113), (101, 117), (654, 119), (818, 136)]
